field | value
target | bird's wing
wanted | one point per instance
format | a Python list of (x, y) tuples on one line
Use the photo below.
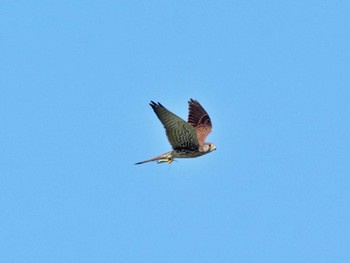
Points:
[(181, 134), (199, 119)]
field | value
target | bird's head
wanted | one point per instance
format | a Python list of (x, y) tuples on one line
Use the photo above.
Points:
[(209, 147), (212, 147)]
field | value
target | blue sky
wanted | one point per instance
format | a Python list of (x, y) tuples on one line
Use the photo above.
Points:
[(76, 80)]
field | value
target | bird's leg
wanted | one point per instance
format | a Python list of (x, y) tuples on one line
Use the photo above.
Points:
[(168, 160), (167, 157)]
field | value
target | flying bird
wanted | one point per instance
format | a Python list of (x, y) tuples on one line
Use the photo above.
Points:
[(186, 138)]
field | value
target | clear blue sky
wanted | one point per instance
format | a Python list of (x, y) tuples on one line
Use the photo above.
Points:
[(76, 80)]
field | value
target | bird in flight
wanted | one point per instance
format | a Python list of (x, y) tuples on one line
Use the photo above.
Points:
[(186, 138)]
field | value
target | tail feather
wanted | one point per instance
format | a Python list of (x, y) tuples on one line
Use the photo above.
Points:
[(166, 157)]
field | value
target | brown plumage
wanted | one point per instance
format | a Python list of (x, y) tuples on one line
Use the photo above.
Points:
[(186, 138), (199, 119)]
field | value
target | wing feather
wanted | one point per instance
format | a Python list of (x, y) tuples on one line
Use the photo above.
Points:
[(199, 119), (180, 133)]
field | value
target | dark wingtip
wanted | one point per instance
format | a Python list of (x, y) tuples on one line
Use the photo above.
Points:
[(192, 101), (155, 105)]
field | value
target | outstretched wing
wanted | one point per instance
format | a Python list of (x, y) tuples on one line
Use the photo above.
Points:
[(199, 119), (181, 134)]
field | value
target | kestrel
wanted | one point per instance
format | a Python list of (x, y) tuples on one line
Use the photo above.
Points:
[(186, 138)]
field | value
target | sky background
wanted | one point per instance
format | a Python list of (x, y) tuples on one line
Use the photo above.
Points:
[(76, 81)]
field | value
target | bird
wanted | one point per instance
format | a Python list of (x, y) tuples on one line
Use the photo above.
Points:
[(186, 138)]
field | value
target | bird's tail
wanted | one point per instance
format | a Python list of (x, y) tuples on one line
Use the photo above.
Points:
[(166, 157)]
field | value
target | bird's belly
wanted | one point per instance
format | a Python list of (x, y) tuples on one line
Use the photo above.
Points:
[(186, 153)]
